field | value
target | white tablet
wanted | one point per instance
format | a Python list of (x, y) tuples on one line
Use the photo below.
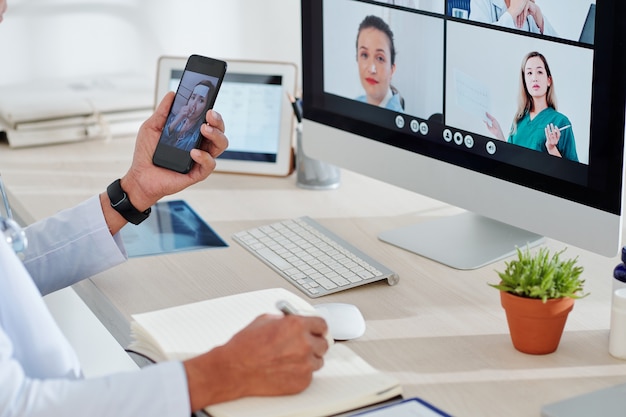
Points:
[(254, 102)]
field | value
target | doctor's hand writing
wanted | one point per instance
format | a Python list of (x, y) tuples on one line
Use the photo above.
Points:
[(553, 134), (274, 355)]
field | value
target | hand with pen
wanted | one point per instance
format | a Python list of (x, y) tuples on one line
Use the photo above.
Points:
[(553, 134), (273, 355)]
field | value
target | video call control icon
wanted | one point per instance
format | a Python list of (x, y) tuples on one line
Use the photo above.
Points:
[(419, 127), (399, 122)]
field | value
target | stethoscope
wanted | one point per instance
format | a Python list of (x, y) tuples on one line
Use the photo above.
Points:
[(12, 231)]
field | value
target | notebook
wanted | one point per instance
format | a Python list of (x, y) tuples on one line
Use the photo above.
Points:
[(607, 402), (346, 382)]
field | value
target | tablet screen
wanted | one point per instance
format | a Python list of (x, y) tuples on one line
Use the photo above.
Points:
[(255, 136)]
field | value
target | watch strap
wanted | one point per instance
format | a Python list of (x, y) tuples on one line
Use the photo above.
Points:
[(121, 203)]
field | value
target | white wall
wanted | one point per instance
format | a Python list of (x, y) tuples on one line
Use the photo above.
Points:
[(65, 38)]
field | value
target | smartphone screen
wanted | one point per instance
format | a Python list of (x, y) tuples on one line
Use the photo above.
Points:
[(195, 95)]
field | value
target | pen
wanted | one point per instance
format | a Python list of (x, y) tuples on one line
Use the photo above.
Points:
[(286, 308), (296, 107), (564, 127), (289, 310)]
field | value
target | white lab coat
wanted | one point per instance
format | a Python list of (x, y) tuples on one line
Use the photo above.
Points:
[(39, 371), (495, 11)]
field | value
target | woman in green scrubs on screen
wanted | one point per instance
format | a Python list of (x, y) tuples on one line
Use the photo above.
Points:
[(537, 124)]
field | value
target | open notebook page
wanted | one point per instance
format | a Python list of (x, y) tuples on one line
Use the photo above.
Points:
[(177, 333)]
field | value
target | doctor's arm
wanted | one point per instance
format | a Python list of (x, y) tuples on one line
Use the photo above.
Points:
[(82, 241), (273, 355), (155, 390)]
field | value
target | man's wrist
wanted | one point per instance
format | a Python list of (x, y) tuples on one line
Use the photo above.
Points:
[(211, 380), (120, 202)]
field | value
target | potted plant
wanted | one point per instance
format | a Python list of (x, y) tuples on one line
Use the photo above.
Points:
[(537, 292)]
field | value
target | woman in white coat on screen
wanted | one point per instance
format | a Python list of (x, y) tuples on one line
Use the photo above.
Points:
[(525, 15)]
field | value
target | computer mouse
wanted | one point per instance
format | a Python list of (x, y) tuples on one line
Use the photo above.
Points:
[(344, 321)]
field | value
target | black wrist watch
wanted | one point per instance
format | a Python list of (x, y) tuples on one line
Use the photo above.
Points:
[(121, 203)]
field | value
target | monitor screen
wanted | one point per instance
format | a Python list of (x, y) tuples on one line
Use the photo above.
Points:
[(514, 115)]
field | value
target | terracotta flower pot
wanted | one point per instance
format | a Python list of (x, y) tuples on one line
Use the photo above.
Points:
[(535, 327)]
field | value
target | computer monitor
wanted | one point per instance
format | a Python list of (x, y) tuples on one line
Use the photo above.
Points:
[(462, 125)]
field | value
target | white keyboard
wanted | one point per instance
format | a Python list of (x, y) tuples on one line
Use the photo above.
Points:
[(312, 258)]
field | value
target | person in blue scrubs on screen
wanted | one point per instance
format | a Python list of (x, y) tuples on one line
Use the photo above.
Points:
[(376, 56), (537, 123)]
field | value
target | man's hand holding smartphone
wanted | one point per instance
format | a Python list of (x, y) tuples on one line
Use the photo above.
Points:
[(145, 183), (183, 128)]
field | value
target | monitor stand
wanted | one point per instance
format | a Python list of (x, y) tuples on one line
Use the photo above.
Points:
[(462, 241)]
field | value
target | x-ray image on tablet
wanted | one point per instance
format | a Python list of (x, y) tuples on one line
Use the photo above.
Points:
[(173, 226)]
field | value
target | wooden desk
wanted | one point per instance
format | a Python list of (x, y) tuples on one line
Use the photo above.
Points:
[(442, 332)]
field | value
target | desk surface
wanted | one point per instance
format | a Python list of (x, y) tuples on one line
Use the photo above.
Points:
[(441, 332)]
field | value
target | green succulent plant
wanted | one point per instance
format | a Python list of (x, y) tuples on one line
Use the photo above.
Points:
[(541, 276)]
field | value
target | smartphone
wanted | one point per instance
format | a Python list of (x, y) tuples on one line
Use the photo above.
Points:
[(195, 95)]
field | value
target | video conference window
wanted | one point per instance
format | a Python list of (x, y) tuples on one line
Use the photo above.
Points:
[(476, 70), (370, 66), (501, 101), (533, 16)]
